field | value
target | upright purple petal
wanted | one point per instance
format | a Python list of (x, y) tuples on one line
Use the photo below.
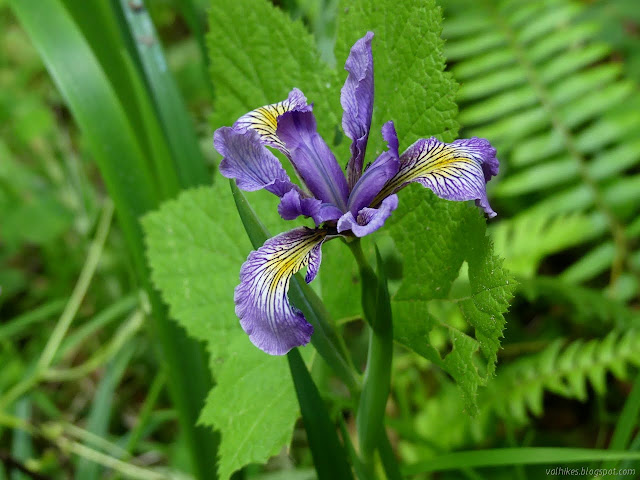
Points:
[(249, 162), (377, 174), (294, 204), (312, 159), (372, 181), (368, 220), (264, 120), (272, 323), (454, 171), (356, 98)]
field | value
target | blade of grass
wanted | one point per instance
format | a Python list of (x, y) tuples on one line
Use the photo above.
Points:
[(177, 126), (124, 333), (17, 325), (113, 312), (145, 413), (100, 414), (515, 456), (21, 444), (634, 447), (69, 313), (112, 140), (358, 466), (627, 422), (99, 27), (195, 18)]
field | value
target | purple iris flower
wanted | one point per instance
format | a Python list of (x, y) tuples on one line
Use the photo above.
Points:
[(354, 205)]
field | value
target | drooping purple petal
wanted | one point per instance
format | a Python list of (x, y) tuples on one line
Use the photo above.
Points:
[(272, 323), (368, 219), (249, 162), (456, 171), (312, 159), (294, 204), (356, 98), (264, 120)]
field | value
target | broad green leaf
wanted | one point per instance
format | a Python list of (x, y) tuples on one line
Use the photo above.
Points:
[(435, 237), (196, 246), (258, 55), (253, 405), (340, 282)]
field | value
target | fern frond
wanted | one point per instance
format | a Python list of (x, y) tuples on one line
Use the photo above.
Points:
[(565, 371), (585, 305), (526, 239), (540, 85)]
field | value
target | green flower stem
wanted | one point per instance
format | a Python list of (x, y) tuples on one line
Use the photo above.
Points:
[(373, 401)]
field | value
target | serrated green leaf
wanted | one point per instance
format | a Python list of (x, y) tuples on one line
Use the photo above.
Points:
[(453, 232), (196, 245), (258, 55), (253, 405)]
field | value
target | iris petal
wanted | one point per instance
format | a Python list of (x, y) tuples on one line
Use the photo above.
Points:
[(249, 162), (272, 323), (377, 174), (312, 158), (453, 171), (368, 220), (356, 98), (293, 205), (264, 120)]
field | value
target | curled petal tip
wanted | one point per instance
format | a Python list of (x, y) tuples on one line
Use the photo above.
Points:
[(368, 220)]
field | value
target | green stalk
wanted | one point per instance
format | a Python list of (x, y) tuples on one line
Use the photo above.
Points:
[(373, 401), (329, 456)]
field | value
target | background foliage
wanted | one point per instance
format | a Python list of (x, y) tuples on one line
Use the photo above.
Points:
[(93, 385)]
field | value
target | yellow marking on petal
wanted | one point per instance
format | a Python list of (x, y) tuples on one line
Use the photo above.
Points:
[(264, 120), (283, 264), (441, 160)]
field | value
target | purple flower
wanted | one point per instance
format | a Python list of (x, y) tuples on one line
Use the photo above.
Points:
[(354, 205)]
